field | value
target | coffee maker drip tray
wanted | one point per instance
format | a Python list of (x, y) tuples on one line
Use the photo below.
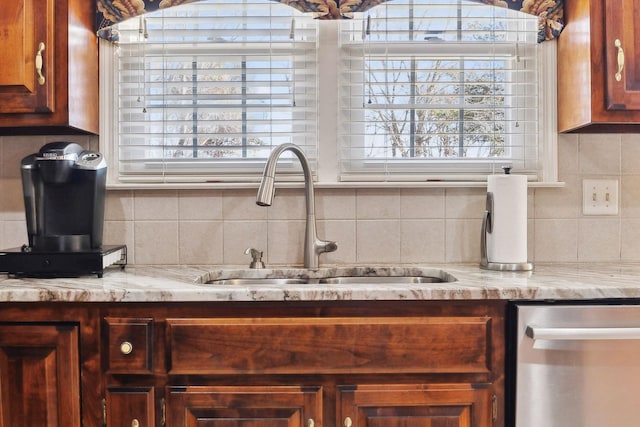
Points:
[(19, 262)]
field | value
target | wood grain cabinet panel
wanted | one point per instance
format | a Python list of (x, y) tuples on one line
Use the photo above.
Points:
[(329, 345), (595, 93), (622, 45), (268, 406), (39, 376), (48, 67), (307, 364), (129, 345), (129, 407), (26, 33), (446, 405)]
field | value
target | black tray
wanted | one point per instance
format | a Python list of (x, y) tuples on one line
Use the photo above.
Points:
[(20, 263)]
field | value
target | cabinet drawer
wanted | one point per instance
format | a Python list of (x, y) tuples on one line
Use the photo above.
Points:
[(329, 345), (129, 344)]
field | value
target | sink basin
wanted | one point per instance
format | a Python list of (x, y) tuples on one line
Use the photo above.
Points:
[(328, 276), (355, 280), (257, 281)]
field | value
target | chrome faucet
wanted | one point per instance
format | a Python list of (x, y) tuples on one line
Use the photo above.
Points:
[(313, 246)]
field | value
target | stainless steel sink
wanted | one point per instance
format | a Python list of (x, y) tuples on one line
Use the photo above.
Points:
[(383, 280), (329, 276), (257, 281)]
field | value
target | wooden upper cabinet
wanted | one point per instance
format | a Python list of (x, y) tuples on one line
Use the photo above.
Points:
[(48, 67), (622, 39), (593, 94), (26, 80)]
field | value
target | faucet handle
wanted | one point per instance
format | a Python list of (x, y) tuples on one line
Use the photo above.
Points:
[(256, 258), (326, 246)]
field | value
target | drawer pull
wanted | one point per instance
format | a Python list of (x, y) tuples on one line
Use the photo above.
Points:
[(41, 79), (348, 422), (126, 347), (135, 423), (618, 44)]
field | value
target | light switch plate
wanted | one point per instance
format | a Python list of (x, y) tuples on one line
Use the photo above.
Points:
[(600, 197)]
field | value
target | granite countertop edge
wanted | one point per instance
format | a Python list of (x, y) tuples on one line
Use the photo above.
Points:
[(565, 281)]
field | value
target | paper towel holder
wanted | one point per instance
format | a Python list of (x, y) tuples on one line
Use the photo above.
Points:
[(487, 227)]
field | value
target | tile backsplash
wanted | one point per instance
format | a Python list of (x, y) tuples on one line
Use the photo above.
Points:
[(373, 226)]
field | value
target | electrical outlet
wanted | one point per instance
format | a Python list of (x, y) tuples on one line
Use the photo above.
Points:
[(600, 197)]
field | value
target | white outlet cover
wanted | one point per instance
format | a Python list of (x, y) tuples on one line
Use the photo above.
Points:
[(600, 197)]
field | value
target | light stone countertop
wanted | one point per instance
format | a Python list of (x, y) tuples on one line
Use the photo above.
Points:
[(186, 283)]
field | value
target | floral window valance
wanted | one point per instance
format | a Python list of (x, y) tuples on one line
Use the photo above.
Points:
[(550, 13)]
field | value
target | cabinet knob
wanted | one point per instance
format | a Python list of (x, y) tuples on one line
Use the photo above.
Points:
[(126, 348), (348, 422), (310, 422), (135, 423)]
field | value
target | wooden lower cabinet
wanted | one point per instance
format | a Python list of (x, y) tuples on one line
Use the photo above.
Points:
[(306, 364), (430, 405), (368, 405), (50, 372), (39, 375), (244, 406), (253, 364), (129, 407)]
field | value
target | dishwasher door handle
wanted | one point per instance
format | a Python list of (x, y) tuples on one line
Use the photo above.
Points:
[(576, 334)]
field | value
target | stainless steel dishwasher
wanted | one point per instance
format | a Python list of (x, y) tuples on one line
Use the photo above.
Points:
[(574, 365)]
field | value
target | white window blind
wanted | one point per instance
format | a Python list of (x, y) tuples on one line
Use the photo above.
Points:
[(205, 90), (438, 89)]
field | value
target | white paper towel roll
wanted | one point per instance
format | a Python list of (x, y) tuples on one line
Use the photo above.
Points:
[(507, 242)]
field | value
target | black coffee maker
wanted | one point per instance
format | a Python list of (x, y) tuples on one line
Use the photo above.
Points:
[(64, 196), (64, 192)]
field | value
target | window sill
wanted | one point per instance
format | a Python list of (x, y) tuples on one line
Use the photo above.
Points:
[(320, 185)]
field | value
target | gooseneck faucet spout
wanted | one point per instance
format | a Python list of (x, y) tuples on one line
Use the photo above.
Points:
[(313, 246)]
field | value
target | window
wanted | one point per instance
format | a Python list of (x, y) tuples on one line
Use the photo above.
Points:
[(205, 91), (411, 90), (439, 89)]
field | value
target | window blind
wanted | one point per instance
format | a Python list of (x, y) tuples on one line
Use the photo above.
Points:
[(207, 89), (438, 89)]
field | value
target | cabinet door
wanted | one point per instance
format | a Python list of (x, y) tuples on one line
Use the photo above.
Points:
[(622, 47), (26, 56), (129, 407), (439, 405), (259, 406), (39, 376)]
